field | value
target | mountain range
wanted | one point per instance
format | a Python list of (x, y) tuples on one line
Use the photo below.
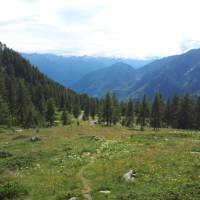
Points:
[(177, 74), (68, 70)]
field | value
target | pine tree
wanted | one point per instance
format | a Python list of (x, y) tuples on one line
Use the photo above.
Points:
[(76, 107), (24, 103), (86, 109), (156, 112), (93, 108), (50, 114), (185, 113), (116, 110), (5, 118), (129, 113), (167, 113), (175, 105), (10, 85), (143, 113), (197, 115), (107, 112), (65, 118)]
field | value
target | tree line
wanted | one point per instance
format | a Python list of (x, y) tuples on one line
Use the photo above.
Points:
[(180, 112)]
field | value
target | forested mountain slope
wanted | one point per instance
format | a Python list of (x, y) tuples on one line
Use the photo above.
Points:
[(25, 93)]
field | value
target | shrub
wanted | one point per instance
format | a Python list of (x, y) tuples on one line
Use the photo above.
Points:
[(12, 190)]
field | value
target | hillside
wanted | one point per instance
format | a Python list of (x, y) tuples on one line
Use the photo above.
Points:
[(117, 77), (25, 93), (68, 70), (169, 76)]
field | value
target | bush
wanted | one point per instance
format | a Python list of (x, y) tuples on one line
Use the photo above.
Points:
[(4, 154), (12, 190)]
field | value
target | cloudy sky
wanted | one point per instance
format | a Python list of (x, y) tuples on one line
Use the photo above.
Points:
[(119, 28)]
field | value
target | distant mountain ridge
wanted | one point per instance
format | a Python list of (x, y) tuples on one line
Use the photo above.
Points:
[(171, 75), (118, 76), (68, 70), (177, 74)]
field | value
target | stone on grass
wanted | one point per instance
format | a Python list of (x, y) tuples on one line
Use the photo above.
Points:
[(130, 175), (105, 191), (35, 139), (73, 198), (19, 130)]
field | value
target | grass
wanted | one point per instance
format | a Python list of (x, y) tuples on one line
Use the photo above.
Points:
[(79, 161)]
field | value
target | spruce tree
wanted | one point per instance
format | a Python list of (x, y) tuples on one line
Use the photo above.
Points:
[(156, 113), (24, 103), (5, 118), (197, 115), (65, 118), (175, 106), (107, 112), (116, 110), (50, 114), (129, 113), (76, 107), (143, 113), (167, 114), (185, 113), (93, 108)]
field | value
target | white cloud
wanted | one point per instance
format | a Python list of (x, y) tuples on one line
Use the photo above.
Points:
[(127, 28)]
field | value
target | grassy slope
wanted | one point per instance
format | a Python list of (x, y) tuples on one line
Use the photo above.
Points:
[(81, 160)]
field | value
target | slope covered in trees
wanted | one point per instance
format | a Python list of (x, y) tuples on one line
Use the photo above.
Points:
[(27, 97)]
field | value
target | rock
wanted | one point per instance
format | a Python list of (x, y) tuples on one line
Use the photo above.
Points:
[(19, 130), (105, 191), (73, 198), (86, 154), (35, 139), (130, 175)]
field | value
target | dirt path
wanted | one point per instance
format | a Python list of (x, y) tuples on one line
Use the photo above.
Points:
[(86, 187), (86, 191)]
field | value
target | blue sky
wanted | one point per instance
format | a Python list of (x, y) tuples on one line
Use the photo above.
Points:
[(119, 28)]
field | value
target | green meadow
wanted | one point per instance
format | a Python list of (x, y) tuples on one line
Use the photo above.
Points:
[(89, 162)]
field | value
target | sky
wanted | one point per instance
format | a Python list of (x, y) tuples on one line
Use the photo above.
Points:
[(111, 28)]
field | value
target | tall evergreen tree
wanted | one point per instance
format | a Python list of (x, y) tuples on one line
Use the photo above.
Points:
[(50, 114), (24, 103), (143, 113), (129, 119), (116, 110), (197, 115), (156, 112), (185, 114), (65, 118), (107, 112), (76, 107), (167, 114), (5, 118), (174, 109)]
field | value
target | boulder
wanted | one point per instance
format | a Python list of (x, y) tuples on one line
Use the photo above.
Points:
[(73, 198), (130, 175), (105, 191), (35, 139)]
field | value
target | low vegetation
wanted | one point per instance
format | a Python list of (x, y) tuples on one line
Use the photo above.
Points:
[(89, 162)]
